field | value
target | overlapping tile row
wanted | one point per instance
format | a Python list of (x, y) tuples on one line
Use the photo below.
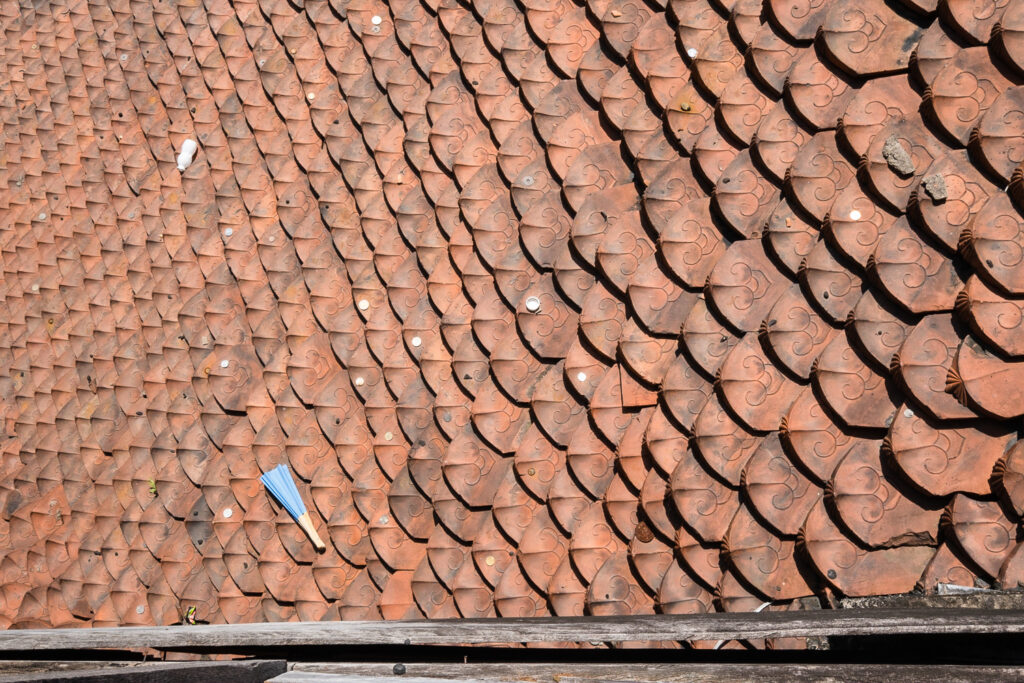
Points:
[(552, 308)]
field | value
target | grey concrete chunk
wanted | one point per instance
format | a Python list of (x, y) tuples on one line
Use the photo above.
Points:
[(935, 186), (897, 156)]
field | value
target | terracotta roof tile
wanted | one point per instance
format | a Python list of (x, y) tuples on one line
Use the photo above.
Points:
[(528, 295)]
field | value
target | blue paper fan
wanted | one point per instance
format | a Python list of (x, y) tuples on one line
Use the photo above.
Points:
[(281, 485)]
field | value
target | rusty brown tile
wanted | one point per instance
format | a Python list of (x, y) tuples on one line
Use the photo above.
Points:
[(990, 242), (983, 85), (789, 237), (941, 460), (514, 596), (899, 154), (767, 562), (665, 442), (834, 288), (878, 102), (1006, 34), (431, 598), (690, 244), (854, 570), (679, 593), (795, 334), (923, 363), (946, 567), (744, 285), (812, 439), (593, 542), (875, 510), (598, 167), (708, 504), (659, 512), (684, 391), (914, 273), (982, 531), (799, 19), (854, 392), (869, 39), (609, 594), (879, 328), (744, 197), (706, 339), (669, 187), (776, 141), (569, 40), (983, 379), (555, 409), (621, 506), (991, 316), (779, 492), (950, 193), (688, 116)]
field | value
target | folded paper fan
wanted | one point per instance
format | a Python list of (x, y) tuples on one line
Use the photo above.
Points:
[(281, 485)]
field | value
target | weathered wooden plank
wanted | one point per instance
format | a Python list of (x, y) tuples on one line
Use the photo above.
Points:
[(9, 667), (666, 673), (315, 677), (237, 671), (659, 627)]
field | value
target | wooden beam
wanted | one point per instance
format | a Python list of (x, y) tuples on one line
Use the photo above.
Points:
[(667, 673), (236, 671), (660, 627)]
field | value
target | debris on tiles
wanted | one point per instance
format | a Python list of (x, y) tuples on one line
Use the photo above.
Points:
[(549, 308)]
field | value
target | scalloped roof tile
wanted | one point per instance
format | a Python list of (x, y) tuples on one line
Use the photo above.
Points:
[(552, 307)]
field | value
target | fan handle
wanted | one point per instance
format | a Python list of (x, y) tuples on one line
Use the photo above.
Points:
[(306, 524)]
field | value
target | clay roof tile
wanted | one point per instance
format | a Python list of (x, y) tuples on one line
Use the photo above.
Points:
[(518, 379)]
